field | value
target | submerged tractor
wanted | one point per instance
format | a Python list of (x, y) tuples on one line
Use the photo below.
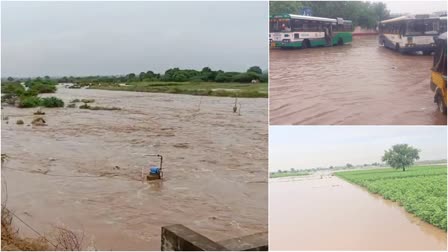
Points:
[(155, 172), (438, 73)]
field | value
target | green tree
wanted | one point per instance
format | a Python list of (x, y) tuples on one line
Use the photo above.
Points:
[(255, 69), (141, 76), (349, 165), (284, 7), (10, 78), (130, 76), (401, 156)]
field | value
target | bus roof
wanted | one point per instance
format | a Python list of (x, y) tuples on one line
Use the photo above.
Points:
[(408, 17), (293, 16)]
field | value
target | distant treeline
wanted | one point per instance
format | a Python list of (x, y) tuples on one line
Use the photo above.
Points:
[(170, 75), (347, 166), (364, 14)]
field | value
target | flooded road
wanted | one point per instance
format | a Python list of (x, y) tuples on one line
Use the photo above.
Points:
[(215, 167), (314, 213), (361, 83)]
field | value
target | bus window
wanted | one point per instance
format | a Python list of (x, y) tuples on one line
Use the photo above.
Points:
[(279, 25), (421, 27)]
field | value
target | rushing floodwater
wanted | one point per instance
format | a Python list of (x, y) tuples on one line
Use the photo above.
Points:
[(360, 83), (215, 167), (327, 213)]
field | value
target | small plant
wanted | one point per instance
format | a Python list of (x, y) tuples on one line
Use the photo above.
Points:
[(71, 105), (52, 102), (39, 121), (29, 102), (39, 112), (88, 100), (19, 122), (75, 101), (85, 106)]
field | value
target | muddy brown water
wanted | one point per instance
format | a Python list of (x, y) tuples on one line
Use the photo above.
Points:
[(328, 213), (361, 83), (215, 167)]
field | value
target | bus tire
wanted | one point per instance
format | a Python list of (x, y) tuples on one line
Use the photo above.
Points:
[(305, 44), (427, 52), (397, 47), (340, 41)]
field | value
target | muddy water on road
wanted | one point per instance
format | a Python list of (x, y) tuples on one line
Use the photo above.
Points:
[(64, 174), (360, 83), (314, 213)]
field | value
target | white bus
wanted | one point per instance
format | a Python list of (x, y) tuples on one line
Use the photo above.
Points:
[(407, 34), (297, 31)]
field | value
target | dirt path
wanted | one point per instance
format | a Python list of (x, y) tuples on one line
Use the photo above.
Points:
[(327, 213), (215, 160)]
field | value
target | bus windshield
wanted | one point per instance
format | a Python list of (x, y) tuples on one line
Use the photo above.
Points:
[(422, 27), (279, 25)]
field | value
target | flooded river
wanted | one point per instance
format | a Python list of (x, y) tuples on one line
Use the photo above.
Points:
[(83, 170), (327, 213), (361, 83)]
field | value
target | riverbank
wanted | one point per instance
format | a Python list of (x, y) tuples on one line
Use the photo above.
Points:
[(252, 90), (421, 190)]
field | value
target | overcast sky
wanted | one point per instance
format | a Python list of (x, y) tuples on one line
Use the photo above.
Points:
[(303, 147), (415, 7), (90, 38)]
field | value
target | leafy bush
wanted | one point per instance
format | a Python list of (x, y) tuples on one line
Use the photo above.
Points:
[(246, 77), (43, 88), (84, 106), (52, 102), (29, 102), (12, 88)]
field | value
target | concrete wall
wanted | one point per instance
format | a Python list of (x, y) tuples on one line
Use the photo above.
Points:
[(180, 238)]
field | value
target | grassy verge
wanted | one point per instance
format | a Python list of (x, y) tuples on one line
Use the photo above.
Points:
[(288, 174), (193, 88), (421, 190)]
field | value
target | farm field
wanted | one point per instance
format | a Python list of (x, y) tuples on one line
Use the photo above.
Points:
[(421, 190)]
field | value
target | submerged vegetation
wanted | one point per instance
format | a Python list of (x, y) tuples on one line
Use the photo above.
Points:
[(421, 190), (281, 174), (26, 96)]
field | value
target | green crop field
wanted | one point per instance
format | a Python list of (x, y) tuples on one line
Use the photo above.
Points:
[(421, 190)]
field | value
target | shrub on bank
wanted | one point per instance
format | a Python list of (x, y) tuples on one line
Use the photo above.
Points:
[(29, 102), (52, 102), (43, 88)]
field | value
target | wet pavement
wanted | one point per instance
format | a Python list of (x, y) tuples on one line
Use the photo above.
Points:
[(323, 212), (355, 84), (66, 173)]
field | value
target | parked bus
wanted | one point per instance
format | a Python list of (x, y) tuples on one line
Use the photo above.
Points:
[(442, 25), (297, 31), (408, 34)]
